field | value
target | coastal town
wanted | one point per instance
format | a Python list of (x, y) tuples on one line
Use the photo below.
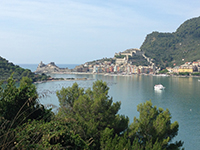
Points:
[(124, 66), (122, 63)]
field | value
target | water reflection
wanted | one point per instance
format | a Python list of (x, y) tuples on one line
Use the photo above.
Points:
[(158, 91)]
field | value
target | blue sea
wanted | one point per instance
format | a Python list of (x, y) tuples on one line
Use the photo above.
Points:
[(181, 96)]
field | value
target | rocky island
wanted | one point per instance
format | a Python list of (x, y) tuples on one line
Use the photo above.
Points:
[(50, 68)]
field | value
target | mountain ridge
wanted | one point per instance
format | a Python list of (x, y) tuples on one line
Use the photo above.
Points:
[(176, 48)]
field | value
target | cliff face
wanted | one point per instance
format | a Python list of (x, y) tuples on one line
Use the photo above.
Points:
[(50, 68)]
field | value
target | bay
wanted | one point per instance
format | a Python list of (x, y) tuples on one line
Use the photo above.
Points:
[(181, 96)]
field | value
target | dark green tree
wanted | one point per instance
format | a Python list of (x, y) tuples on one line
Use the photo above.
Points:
[(18, 104), (56, 134), (93, 110), (184, 73), (163, 71), (154, 126), (108, 142)]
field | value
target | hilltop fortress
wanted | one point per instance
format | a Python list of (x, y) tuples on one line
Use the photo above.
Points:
[(123, 57), (130, 52)]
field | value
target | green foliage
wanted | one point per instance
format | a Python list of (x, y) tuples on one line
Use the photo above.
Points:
[(163, 71), (154, 127), (67, 96), (116, 143), (196, 74), (108, 142), (184, 73), (93, 110), (171, 48), (20, 103), (8, 68), (17, 106), (56, 134), (138, 60)]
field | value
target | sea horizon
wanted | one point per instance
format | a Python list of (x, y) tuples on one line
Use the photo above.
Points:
[(33, 67)]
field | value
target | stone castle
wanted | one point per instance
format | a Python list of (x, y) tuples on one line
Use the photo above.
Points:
[(129, 52), (50, 68)]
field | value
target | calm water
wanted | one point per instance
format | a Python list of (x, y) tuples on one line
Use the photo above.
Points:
[(181, 97)]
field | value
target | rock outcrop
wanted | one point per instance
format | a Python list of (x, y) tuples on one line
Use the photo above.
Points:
[(50, 68)]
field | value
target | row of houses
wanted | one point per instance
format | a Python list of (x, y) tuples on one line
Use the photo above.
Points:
[(108, 67), (189, 67), (111, 68)]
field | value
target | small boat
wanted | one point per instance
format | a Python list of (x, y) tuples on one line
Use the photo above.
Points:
[(159, 87), (199, 80)]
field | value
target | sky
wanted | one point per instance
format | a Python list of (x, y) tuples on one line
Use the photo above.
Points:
[(78, 31)]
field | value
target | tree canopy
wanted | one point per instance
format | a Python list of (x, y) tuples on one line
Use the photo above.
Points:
[(18, 104), (93, 110), (154, 126), (86, 119)]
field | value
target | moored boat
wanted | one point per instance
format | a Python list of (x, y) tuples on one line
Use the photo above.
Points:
[(159, 87)]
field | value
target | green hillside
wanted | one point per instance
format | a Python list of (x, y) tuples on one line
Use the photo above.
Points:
[(8, 68), (169, 49)]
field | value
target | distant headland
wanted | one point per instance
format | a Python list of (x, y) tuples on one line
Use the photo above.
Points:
[(50, 68)]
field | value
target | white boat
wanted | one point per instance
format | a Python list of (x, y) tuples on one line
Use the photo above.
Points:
[(159, 87)]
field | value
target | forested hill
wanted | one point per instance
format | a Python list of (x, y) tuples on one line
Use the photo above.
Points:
[(169, 49), (8, 68)]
